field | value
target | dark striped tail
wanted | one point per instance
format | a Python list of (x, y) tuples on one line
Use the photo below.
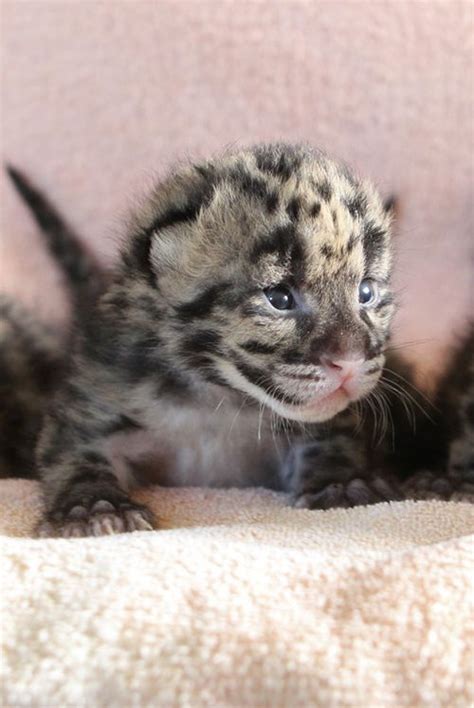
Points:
[(85, 278)]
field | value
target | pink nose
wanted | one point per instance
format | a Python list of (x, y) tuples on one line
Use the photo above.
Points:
[(345, 368)]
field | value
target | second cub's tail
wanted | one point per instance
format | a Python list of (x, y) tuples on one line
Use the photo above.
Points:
[(84, 276)]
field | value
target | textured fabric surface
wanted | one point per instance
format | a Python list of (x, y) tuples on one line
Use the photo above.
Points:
[(99, 96), (240, 601)]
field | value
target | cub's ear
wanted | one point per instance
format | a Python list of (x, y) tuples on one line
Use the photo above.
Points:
[(174, 202), (390, 205)]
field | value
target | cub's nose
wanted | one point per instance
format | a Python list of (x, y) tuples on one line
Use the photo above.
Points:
[(345, 367)]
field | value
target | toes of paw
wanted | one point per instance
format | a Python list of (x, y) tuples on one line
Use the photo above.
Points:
[(386, 490), (106, 520), (102, 518), (421, 482), (102, 506), (78, 513), (330, 496), (442, 487), (138, 520), (462, 495), (106, 524), (358, 493), (74, 529)]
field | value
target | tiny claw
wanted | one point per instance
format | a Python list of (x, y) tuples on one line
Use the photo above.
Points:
[(136, 521), (103, 526)]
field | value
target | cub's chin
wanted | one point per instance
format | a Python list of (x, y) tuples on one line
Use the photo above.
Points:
[(323, 407), (316, 410)]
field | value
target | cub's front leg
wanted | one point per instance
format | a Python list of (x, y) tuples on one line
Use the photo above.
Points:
[(84, 494), (333, 470)]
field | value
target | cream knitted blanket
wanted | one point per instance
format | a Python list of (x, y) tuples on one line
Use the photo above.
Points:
[(240, 601)]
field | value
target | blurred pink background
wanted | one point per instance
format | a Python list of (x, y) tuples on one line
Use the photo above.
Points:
[(97, 97)]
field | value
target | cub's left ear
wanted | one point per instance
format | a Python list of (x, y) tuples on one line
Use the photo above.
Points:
[(390, 205)]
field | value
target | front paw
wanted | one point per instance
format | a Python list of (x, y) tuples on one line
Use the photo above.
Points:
[(101, 518), (431, 485), (353, 492)]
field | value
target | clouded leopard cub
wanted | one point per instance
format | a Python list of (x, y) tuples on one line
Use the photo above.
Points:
[(249, 312)]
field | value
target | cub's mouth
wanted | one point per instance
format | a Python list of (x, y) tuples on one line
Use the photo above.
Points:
[(306, 393), (319, 394)]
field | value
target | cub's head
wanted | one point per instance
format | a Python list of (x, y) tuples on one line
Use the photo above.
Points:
[(272, 269)]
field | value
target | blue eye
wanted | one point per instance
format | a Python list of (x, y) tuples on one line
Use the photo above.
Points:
[(280, 297), (368, 292)]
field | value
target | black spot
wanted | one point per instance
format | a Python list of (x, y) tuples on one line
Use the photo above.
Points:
[(374, 238), (255, 347), (251, 185), (281, 161), (198, 348), (277, 241), (272, 201), (353, 239), (203, 341), (204, 303), (327, 251), (293, 209), (315, 209), (170, 383), (357, 206), (324, 190)]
